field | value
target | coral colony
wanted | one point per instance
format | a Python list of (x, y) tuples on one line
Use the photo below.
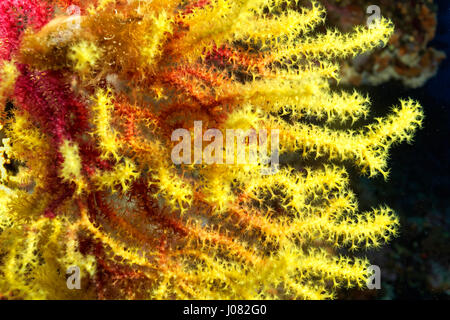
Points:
[(92, 93)]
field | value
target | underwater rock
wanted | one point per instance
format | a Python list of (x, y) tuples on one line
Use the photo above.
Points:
[(407, 57)]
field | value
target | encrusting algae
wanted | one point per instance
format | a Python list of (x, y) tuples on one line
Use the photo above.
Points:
[(87, 178)]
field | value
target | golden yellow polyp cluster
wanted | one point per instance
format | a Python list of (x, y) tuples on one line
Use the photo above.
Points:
[(87, 178)]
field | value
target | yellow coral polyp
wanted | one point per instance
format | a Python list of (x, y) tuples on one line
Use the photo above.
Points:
[(8, 76), (102, 106), (84, 56), (123, 175), (71, 167), (153, 43), (178, 193)]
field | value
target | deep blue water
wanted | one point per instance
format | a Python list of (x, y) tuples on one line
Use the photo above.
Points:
[(439, 86)]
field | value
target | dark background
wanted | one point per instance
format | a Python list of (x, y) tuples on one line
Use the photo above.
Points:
[(416, 264)]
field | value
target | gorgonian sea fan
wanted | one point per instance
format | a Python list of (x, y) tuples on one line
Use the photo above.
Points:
[(87, 177)]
